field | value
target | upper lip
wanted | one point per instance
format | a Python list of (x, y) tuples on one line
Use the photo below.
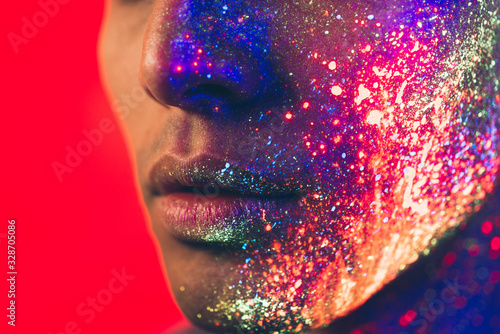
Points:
[(172, 174)]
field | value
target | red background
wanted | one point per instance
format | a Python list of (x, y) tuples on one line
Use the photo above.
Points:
[(70, 234)]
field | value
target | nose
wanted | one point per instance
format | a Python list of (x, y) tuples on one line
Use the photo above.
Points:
[(198, 56)]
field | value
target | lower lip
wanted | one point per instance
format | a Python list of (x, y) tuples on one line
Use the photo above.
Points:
[(222, 218)]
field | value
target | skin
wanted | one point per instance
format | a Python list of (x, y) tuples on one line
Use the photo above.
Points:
[(380, 117)]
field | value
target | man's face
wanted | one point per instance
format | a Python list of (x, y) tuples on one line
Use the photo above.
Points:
[(294, 156)]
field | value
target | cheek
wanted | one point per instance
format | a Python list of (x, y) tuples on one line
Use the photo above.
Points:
[(120, 54), (399, 145), (381, 98)]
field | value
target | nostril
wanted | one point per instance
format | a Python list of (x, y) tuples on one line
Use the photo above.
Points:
[(214, 91)]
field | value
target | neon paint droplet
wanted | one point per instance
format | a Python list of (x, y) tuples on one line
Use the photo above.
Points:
[(495, 243), (363, 94), (374, 117), (487, 227), (336, 90)]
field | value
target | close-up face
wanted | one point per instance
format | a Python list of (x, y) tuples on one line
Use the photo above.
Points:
[(295, 156)]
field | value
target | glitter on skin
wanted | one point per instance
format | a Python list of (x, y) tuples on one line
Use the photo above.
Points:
[(400, 143)]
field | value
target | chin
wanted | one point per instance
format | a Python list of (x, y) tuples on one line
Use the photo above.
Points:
[(272, 283)]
